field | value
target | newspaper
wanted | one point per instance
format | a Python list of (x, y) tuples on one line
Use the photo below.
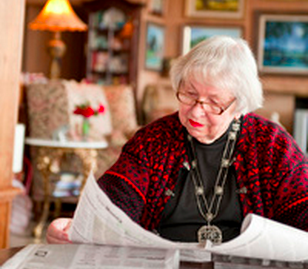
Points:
[(82, 256), (98, 221)]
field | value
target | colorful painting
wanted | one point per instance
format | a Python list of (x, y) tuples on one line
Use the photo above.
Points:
[(154, 47), (215, 8), (195, 34), (283, 44)]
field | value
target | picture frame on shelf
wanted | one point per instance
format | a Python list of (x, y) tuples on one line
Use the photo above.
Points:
[(156, 7), (193, 34), (215, 8), (155, 44), (282, 44)]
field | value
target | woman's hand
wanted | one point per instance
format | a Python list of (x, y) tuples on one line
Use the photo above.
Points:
[(57, 232)]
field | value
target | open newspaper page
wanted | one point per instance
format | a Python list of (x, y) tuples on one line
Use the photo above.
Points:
[(266, 239), (98, 221), (83, 256)]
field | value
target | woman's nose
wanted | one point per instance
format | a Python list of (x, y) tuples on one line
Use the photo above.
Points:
[(197, 109)]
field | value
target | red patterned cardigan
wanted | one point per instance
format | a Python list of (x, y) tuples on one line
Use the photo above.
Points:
[(268, 163)]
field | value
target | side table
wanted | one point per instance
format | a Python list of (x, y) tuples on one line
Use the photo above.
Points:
[(52, 150)]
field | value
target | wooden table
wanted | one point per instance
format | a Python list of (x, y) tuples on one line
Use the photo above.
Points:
[(7, 253)]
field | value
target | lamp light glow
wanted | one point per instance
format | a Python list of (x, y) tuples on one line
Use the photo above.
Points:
[(57, 16)]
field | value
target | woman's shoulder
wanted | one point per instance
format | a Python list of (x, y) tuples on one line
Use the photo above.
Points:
[(263, 132), (163, 135), (258, 124)]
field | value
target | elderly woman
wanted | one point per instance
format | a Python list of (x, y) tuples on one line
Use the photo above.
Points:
[(194, 175)]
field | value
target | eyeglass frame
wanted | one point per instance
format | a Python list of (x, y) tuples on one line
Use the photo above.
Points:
[(202, 103)]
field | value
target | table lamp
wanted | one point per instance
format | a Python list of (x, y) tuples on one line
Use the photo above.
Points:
[(57, 16)]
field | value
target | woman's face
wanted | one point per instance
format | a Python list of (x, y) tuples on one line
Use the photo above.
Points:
[(200, 123)]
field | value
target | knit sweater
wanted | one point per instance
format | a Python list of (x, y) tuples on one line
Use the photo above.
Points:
[(271, 172)]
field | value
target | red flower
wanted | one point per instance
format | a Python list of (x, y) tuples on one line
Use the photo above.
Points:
[(101, 109), (78, 111), (87, 111)]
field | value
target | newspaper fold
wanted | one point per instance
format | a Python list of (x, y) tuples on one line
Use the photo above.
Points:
[(98, 221)]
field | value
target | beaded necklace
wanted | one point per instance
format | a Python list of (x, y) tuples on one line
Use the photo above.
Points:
[(209, 210)]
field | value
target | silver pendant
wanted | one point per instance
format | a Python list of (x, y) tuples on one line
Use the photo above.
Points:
[(210, 232), (199, 191), (209, 217)]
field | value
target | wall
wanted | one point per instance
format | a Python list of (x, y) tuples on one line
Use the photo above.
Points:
[(35, 56), (280, 89)]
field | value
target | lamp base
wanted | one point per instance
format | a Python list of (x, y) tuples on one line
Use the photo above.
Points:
[(56, 48)]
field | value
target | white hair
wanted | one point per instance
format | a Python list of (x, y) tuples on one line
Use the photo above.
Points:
[(225, 63)]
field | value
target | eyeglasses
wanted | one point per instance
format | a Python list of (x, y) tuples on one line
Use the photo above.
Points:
[(207, 107)]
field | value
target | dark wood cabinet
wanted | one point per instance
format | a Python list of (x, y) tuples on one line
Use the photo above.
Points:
[(113, 38)]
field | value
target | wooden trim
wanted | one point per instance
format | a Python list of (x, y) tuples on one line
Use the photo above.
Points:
[(7, 194), (297, 86), (11, 29)]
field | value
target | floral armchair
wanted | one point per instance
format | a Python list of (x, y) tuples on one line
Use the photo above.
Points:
[(50, 115)]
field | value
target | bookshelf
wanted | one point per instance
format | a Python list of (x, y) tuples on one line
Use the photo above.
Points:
[(112, 45)]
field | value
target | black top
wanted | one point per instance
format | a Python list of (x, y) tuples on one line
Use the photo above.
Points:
[(181, 219)]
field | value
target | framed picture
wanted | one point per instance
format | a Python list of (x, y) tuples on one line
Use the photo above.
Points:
[(283, 44), (157, 7), (155, 39), (192, 35), (233, 9)]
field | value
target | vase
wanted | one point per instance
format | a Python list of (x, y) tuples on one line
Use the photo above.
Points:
[(85, 129)]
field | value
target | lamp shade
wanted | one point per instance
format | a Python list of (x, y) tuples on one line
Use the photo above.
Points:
[(57, 15)]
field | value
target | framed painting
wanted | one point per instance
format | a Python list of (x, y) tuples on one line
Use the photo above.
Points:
[(283, 44), (155, 39), (157, 7), (192, 35), (232, 9)]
